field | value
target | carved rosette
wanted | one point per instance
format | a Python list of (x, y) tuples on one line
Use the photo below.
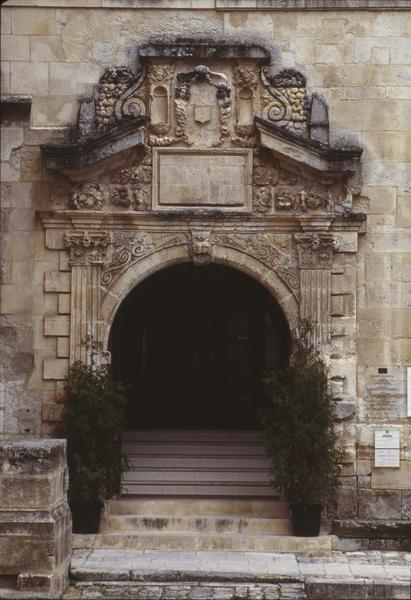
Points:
[(87, 247), (87, 196)]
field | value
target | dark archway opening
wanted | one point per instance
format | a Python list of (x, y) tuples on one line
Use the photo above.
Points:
[(193, 344)]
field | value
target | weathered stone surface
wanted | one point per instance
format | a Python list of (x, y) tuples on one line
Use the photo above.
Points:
[(35, 521), (372, 529), (379, 504)]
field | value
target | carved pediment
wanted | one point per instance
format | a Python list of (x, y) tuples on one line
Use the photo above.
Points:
[(205, 126)]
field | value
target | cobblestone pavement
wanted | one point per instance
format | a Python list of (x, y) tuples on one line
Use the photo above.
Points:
[(215, 575)]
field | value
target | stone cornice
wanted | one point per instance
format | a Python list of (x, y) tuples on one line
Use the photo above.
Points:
[(222, 5), (202, 48), (305, 152), (75, 159), (71, 219)]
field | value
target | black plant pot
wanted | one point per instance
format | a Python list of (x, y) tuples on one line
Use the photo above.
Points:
[(86, 516), (306, 519)]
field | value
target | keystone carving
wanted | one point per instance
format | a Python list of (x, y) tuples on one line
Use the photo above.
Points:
[(201, 247), (315, 250), (87, 247)]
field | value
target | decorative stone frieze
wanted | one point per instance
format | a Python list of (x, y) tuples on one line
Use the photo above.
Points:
[(87, 196), (131, 246), (264, 248)]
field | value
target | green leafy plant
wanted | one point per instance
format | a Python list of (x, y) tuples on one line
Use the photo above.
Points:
[(298, 419), (94, 414)]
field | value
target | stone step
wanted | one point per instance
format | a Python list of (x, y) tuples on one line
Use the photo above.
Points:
[(195, 524), (192, 435), (175, 507), (196, 462), (188, 541)]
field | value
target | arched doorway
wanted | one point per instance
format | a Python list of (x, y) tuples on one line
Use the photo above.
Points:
[(193, 344)]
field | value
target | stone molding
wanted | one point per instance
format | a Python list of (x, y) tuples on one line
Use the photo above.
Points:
[(225, 5)]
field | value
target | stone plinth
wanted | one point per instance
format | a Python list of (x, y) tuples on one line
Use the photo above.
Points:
[(35, 521)]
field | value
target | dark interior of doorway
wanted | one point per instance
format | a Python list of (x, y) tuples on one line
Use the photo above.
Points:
[(193, 343)]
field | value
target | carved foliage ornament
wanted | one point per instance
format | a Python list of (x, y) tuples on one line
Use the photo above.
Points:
[(87, 247), (87, 196), (119, 96), (129, 247), (285, 99), (264, 248), (315, 250)]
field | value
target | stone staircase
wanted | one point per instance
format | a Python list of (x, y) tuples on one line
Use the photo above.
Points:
[(197, 490), (196, 462), (194, 523)]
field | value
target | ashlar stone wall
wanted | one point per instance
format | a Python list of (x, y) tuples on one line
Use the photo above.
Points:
[(360, 60)]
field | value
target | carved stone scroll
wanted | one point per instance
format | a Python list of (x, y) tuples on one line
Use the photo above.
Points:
[(87, 253), (315, 253), (129, 247), (264, 248)]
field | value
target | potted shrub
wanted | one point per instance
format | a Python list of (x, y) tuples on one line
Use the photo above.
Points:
[(94, 415), (298, 420)]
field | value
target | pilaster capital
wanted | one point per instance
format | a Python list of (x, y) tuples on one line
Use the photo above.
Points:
[(315, 250), (87, 247)]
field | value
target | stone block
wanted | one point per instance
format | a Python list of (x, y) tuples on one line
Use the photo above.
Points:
[(54, 111), (15, 47), (379, 504), (337, 306), (5, 20), (51, 411), (63, 347), (64, 304), (21, 219), (35, 521), (55, 368), (58, 325), (11, 138), (347, 502), (46, 48), (64, 264), (73, 79), (16, 299), (387, 146), (55, 240), (404, 208), (395, 479), (5, 77), (29, 78), (34, 21), (57, 281)]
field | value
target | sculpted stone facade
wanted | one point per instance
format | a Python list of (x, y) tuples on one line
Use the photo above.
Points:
[(210, 150)]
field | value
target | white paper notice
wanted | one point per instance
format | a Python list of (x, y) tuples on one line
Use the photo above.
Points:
[(387, 457), (387, 449), (387, 439)]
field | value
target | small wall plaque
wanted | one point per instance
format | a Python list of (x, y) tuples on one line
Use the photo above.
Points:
[(387, 449)]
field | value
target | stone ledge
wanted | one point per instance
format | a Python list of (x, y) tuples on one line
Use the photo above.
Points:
[(203, 48), (95, 152), (368, 529)]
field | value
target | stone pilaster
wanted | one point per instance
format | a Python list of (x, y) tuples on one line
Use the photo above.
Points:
[(87, 254), (315, 251)]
